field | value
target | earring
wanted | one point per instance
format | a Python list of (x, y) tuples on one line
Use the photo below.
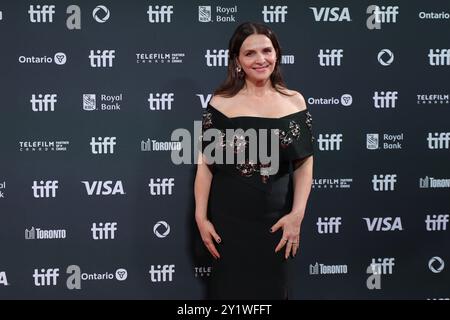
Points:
[(238, 69)]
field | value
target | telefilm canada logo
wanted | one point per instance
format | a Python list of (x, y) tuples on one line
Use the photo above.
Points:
[(43, 146), (160, 57)]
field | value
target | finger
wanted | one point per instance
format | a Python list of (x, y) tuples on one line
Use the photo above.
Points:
[(281, 244), (212, 248), (294, 249), (275, 227), (216, 236), (288, 249)]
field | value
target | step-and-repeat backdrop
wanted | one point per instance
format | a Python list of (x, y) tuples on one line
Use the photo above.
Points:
[(92, 206)]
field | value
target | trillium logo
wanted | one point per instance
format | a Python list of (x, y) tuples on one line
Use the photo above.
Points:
[(161, 229), (60, 58), (436, 264)]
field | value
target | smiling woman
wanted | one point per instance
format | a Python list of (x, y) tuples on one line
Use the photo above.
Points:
[(239, 206)]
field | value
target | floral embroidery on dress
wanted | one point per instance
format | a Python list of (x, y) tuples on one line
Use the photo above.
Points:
[(287, 137), (207, 120), (309, 123), (249, 168)]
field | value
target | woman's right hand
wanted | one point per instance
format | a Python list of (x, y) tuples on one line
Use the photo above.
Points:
[(209, 235)]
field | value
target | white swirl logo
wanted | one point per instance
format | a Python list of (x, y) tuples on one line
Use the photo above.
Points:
[(385, 57), (104, 12), (161, 226), (121, 274), (436, 264), (60, 58)]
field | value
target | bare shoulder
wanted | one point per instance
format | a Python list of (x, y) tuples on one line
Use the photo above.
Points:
[(296, 99), (219, 101)]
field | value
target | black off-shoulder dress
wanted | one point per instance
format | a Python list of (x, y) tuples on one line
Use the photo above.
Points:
[(245, 201)]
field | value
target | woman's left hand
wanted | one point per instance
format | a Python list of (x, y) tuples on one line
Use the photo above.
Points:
[(290, 224)]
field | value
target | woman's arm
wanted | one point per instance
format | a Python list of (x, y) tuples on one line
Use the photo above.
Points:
[(202, 186)]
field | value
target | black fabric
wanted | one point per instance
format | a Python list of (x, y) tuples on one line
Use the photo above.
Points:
[(243, 205)]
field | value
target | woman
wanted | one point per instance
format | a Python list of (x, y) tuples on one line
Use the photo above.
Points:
[(250, 219)]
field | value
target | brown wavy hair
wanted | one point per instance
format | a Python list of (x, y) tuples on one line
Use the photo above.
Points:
[(235, 82)]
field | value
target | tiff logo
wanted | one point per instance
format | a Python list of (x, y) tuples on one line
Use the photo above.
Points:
[(44, 102), (385, 99), (274, 14), (161, 187), (328, 224), (436, 222), (331, 57), (160, 101), (41, 13), (382, 265), (162, 273), (159, 15), (438, 140), (45, 189), (218, 58), (103, 145), (104, 231), (379, 15), (439, 57), (329, 142), (46, 277), (384, 182), (102, 59)]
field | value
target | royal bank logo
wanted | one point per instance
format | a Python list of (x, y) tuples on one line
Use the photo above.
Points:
[(202, 271), (436, 264), (2, 190), (160, 57), (433, 99), (161, 229), (59, 58), (217, 14), (430, 182), (345, 100), (105, 102), (154, 145), (388, 142), (330, 269), (76, 276), (385, 57), (332, 183), (43, 234), (43, 146)]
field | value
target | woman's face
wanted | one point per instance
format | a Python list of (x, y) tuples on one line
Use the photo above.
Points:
[(257, 57)]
